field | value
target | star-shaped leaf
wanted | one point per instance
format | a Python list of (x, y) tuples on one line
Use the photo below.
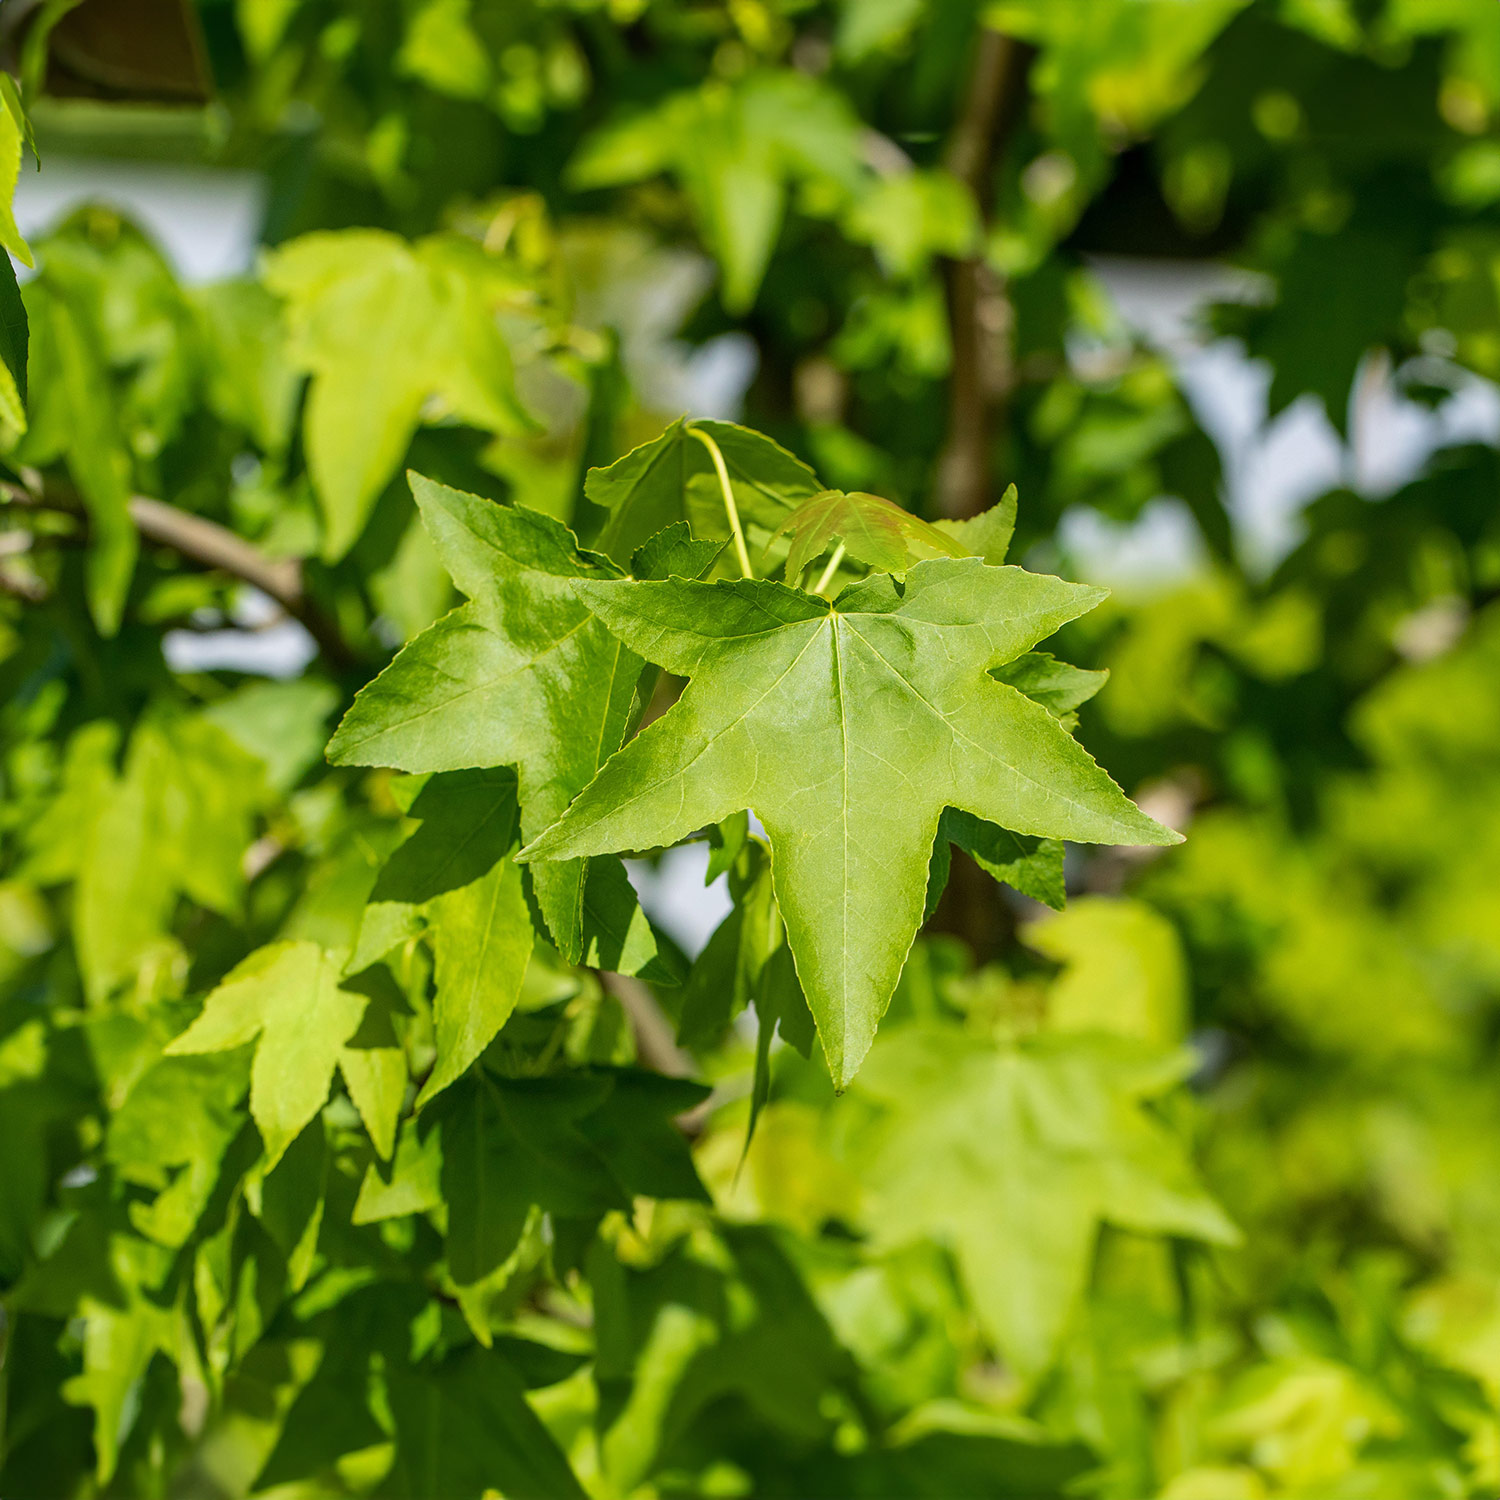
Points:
[(672, 479), (286, 997), (523, 675), (847, 728), (873, 531), (1013, 1156), (352, 298)]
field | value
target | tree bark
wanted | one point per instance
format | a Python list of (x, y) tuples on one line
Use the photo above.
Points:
[(978, 318)]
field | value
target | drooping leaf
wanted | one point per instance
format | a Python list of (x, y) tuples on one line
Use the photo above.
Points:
[(1012, 1156), (672, 479), (618, 936), (522, 676), (482, 939), (287, 999), (873, 531), (1030, 865), (846, 728), (15, 340)]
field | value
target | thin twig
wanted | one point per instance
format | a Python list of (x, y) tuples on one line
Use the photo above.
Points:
[(654, 1039), (207, 544), (730, 508)]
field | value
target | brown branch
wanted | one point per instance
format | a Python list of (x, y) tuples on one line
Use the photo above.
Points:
[(209, 545), (655, 1042), (977, 313)]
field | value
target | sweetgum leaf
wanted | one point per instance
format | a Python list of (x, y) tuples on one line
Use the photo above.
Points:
[(509, 1144), (674, 552), (382, 327), (1013, 1156), (464, 1430), (874, 531), (521, 676), (846, 728), (287, 999), (672, 479), (988, 534)]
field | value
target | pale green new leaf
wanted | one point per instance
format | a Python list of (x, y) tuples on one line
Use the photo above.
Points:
[(385, 327), (874, 531), (177, 820), (1124, 970), (672, 479), (288, 1000), (735, 149), (1013, 1157), (14, 132), (73, 413), (846, 728), (521, 676)]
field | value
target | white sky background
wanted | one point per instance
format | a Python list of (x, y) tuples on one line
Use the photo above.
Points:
[(208, 223)]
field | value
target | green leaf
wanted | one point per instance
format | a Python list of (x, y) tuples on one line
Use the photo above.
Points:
[(289, 1198), (464, 1430), (14, 343), (672, 479), (119, 1344), (71, 396), (252, 382), (170, 1136), (15, 131), (521, 676), (508, 1145), (1123, 970), (373, 1063), (617, 934), (1013, 1156), (411, 1183), (1032, 866), (633, 1131), (735, 149), (874, 531), (846, 728), (482, 937), (286, 998), (988, 534), (1058, 687), (177, 821), (674, 552), (385, 327)]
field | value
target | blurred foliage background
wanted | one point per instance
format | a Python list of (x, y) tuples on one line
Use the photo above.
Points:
[(1191, 1190)]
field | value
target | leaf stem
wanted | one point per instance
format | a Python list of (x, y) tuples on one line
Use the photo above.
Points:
[(830, 570), (730, 509)]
